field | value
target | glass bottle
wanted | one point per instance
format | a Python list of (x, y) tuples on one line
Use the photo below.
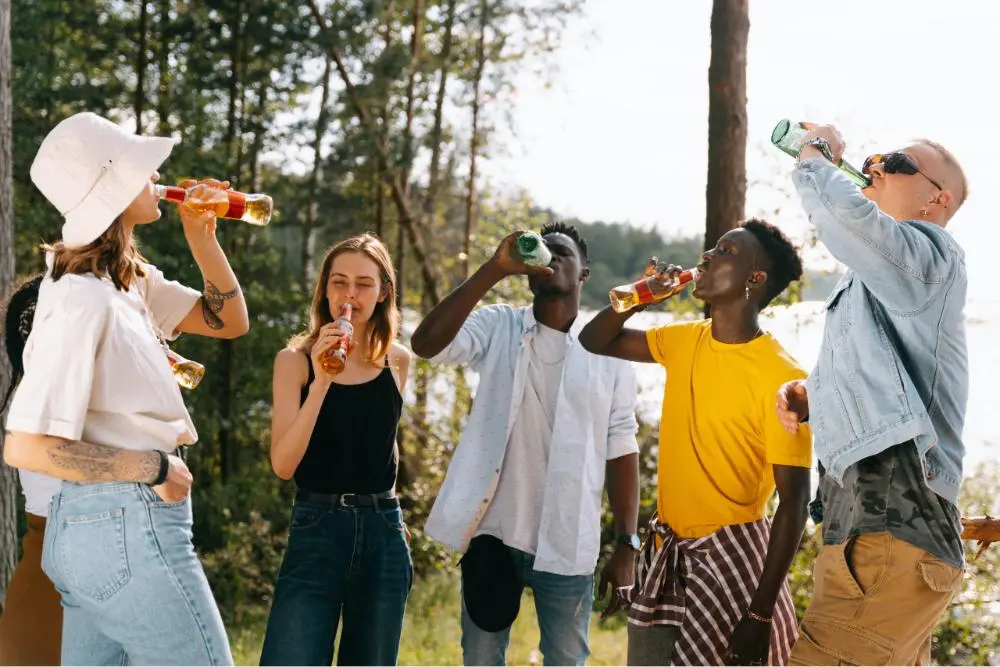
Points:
[(255, 209), (649, 290), (787, 136)]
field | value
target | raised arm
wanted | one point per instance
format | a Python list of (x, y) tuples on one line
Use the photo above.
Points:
[(440, 326), (901, 263), (221, 312), (606, 334)]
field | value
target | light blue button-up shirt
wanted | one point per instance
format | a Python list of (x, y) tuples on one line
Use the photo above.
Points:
[(594, 422)]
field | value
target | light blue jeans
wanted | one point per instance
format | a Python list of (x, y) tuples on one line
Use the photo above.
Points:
[(562, 604), (132, 587)]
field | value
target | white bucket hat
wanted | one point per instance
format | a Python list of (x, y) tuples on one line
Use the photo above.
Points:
[(91, 170)]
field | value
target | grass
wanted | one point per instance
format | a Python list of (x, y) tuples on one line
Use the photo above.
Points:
[(432, 633)]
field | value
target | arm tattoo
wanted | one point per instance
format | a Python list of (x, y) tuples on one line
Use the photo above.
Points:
[(98, 463), (212, 303)]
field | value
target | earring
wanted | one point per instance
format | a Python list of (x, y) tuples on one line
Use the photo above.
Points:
[(748, 292)]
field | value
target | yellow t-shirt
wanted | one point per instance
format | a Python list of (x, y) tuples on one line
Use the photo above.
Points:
[(719, 430)]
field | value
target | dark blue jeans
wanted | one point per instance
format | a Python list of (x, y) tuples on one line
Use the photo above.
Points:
[(350, 562)]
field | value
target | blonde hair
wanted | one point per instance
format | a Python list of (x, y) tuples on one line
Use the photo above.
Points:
[(383, 326), (114, 254)]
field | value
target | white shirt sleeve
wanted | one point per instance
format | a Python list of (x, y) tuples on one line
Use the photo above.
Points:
[(54, 394), (473, 339), (168, 301), (622, 424)]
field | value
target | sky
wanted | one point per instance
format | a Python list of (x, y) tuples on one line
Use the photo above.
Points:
[(619, 132)]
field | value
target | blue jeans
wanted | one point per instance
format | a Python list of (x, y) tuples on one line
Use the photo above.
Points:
[(341, 561), (562, 604), (132, 587)]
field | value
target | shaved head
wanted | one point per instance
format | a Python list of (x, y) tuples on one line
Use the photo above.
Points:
[(952, 177)]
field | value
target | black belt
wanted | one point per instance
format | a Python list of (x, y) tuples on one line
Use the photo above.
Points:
[(377, 501)]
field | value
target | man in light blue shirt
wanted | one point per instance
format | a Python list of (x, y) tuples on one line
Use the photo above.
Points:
[(886, 402), (550, 421)]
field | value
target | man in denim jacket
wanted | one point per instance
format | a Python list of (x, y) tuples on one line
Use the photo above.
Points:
[(886, 403)]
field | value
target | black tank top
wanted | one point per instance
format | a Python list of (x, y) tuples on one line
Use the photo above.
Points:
[(353, 445)]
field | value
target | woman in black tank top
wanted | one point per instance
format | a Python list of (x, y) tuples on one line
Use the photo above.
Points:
[(348, 558)]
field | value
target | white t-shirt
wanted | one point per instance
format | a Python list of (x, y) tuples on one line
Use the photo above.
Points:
[(515, 513), (95, 371)]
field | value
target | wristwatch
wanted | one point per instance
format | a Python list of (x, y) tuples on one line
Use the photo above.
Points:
[(631, 539), (822, 145)]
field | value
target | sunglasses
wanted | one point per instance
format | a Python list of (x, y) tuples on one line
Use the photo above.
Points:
[(896, 163)]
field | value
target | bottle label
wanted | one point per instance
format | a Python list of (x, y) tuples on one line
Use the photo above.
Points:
[(173, 193), (644, 290), (237, 205)]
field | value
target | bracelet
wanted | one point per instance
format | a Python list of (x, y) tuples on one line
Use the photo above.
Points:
[(823, 146), (757, 617), (161, 476)]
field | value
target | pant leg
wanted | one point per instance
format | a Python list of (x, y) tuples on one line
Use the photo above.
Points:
[(308, 597), (480, 647), (379, 581), (31, 624), (651, 645), (84, 643), (563, 604), (124, 559), (876, 601)]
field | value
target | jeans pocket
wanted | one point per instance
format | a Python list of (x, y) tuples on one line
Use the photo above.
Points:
[(393, 519), (92, 554), (307, 515), (153, 499)]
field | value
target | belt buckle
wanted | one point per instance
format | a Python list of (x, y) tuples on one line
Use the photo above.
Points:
[(342, 499)]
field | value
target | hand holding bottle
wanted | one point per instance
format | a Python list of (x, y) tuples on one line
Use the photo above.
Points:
[(507, 261), (832, 136), (199, 222), (331, 338)]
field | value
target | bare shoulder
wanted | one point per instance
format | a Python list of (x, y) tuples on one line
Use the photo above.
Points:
[(400, 356), (291, 364)]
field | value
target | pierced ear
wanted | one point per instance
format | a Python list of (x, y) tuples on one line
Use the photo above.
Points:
[(758, 277), (584, 274), (944, 198)]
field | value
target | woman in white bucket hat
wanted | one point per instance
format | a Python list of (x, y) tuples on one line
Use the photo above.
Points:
[(97, 416)]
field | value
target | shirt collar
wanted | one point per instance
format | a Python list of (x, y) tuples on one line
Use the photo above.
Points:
[(531, 324)]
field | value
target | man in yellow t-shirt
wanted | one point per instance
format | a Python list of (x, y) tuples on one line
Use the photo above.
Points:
[(712, 586)]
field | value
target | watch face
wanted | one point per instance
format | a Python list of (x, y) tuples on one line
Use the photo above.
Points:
[(634, 542)]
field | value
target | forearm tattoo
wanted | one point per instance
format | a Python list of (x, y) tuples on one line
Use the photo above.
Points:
[(98, 463), (213, 301)]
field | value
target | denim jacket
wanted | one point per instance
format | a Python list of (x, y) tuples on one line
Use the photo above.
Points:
[(893, 365)]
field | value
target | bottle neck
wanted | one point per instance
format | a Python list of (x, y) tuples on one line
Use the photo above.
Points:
[(171, 193)]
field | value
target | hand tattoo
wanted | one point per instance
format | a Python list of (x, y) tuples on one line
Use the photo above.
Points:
[(99, 463), (212, 303)]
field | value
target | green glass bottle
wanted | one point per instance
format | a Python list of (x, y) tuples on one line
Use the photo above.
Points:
[(531, 249), (787, 136)]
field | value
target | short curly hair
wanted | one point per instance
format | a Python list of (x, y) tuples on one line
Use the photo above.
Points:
[(786, 265), (570, 231)]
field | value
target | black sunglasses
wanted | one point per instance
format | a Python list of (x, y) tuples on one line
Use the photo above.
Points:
[(896, 163)]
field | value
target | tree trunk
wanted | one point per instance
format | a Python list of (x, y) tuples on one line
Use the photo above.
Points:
[(434, 178), (322, 120), (725, 193), (8, 479), (163, 70), (470, 196), (140, 65), (234, 145), (415, 45), (379, 185)]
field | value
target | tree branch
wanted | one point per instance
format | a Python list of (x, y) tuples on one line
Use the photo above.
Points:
[(392, 176)]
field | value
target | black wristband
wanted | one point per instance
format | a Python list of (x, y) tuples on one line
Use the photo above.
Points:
[(161, 477)]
